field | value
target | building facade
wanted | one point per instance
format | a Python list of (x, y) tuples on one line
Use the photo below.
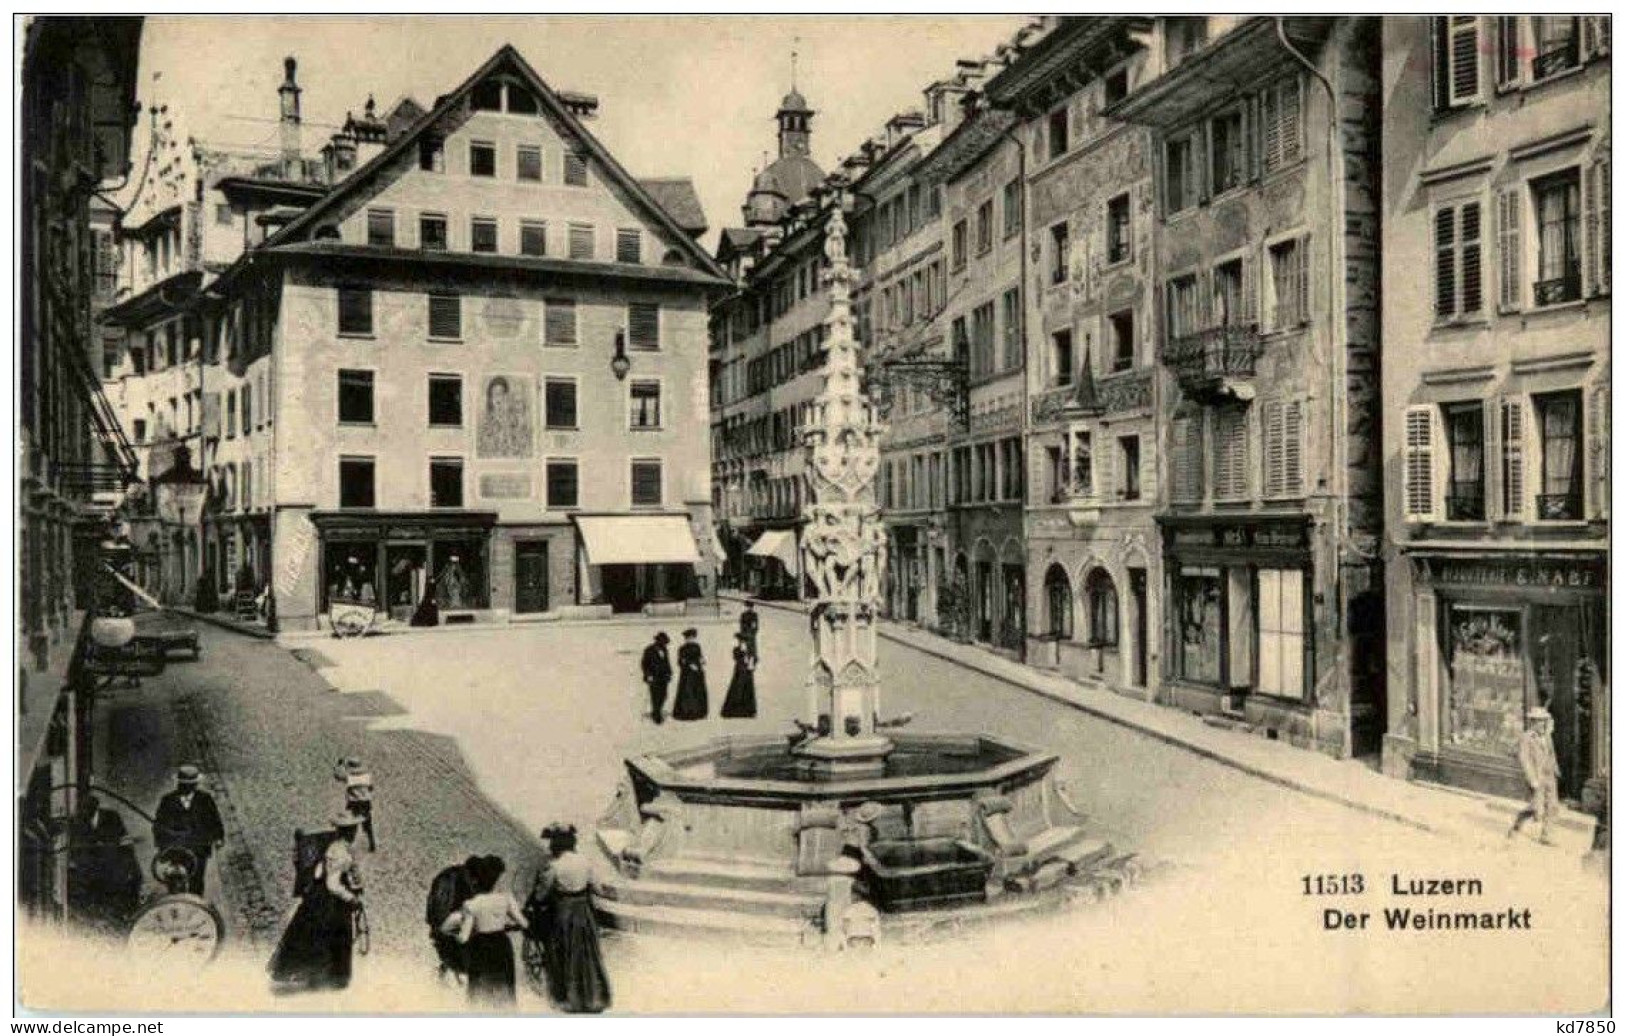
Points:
[(1267, 252), (74, 121), (1094, 580), (1496, 171)]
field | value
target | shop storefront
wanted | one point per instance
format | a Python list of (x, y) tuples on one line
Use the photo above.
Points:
[(396, 561), (631, 560), (1240, 599), (773, 564), (1496, 635)]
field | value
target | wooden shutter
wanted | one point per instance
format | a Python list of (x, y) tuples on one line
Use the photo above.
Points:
[(1184, 462), (1439, 30), (1493, 476), (643, 319), (1421, 473), (1508, 66), (1104, 467), (1464, 51), (1509, 248), (1230, 462), (1271, 104), (1514, 487), (1444, 263), (445, 316), (1249, 291), (1595, 31), (1291, 105), (1292, 447), (628, 246), (560, 322), (1472, 259), (1597, 453), (1596, 189)]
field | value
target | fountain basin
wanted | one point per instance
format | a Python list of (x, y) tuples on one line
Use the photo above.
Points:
[(740, 833)]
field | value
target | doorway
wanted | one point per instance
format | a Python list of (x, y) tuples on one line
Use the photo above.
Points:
[(620, 587), (530, 577), (405, 568), (1137, 621), (984, 601)]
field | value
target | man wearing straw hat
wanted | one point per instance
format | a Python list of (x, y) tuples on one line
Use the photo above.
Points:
[(1538, 758), (188, 819)]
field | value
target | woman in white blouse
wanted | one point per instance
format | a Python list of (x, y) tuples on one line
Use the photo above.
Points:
[(483, 923)]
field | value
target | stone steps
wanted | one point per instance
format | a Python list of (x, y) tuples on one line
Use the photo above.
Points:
[(719, 873), (685, 923)]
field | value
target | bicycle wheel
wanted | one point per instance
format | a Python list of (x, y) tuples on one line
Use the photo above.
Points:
[(363, 930), (534, 958)]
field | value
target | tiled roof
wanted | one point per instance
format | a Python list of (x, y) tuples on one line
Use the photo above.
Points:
[(676, 194)]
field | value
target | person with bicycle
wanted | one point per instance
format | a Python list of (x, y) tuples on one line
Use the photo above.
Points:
[(317, 949)]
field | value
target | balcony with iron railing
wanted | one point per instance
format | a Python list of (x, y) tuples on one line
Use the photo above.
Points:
[(1563, 288), (1558, 507), (1557, 58), (1215, 363)]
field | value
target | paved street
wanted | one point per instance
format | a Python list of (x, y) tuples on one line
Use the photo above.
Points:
[(477, 738)]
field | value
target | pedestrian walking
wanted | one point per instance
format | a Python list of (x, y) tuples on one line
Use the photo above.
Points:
[(576, 979), (358, 792), (317, 948), (187, 818), (692, 701), (487, 918), (449, 890), (1538, 758), (749, 624), (741, 700), (657, 675)]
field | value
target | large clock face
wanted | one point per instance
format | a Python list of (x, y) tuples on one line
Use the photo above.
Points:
[(178, 927)]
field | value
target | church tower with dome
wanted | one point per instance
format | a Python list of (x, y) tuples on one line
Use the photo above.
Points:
[(793, 175)]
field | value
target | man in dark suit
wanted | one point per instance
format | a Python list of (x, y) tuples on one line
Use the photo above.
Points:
[(657, 674), (188, 819), (749, 623)]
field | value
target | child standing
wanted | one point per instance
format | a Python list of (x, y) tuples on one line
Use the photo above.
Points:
[(358, 792)]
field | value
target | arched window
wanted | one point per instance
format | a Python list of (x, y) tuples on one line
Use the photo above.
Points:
[(1102, 609), (1058, 603), (487, 96)]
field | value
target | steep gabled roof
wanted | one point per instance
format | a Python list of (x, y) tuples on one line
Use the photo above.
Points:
[(676, 194), (509, 59)]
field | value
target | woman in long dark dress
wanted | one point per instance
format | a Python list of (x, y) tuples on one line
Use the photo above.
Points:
[(316, 950), (741, 700), (691, 700), (576, 979), (488, 917)]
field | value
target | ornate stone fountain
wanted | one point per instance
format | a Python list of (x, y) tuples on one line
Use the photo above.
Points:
[(840, 829)]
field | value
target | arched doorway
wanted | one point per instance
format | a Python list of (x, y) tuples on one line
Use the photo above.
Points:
[(1101, 594)]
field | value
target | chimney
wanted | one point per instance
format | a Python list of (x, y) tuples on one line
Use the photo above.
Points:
[(288, 93)]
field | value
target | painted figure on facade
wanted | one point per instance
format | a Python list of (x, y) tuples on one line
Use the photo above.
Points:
[(691, 700), (1537, 757), (505, 427), (741, 700)]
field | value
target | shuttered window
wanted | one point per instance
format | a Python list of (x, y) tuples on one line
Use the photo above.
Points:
[(445, 316), (1461, 51), (1508, 58), (563, 484), (529, 161), (1282, 432), (355, 311), (1512, 464), (628, 246), (381, 228), (1458, 275), (643, 323), (1509, 248), (1230, 461), (560, 322), (1597, 451), (1599, 244), (1421, 463), (1281, 640), (1185, 476), (646, 491), (1289, 284), (532, 237), (1282, 114), (575, 169), (581, 241)]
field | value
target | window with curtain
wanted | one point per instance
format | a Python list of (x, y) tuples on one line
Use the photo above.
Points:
[(1557, 46), (1058, 603), (1102, 610), (1198, 594), (1557, 212), (1464, 424), (1558, 417)]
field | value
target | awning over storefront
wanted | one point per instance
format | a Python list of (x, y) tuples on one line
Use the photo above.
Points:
[(776, 543), (637, 539)]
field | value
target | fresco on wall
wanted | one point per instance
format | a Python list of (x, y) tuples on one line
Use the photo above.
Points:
[(505, 485), (505, 427)]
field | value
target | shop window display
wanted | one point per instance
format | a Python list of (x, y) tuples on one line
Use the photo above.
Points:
[(1487, 692), (1200, 634)]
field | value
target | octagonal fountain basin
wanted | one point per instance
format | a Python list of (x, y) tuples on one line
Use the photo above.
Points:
[(743, 836)]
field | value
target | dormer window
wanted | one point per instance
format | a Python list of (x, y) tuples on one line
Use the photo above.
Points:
[(487, 96)]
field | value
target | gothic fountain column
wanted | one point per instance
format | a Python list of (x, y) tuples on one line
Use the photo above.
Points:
[(844, 546)]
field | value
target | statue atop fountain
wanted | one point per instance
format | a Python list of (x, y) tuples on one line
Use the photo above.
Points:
[(843, 547)]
